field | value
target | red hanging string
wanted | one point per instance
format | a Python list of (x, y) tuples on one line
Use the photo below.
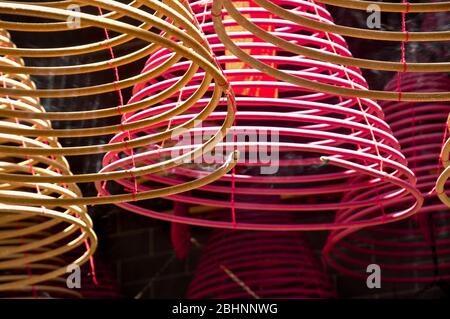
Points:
[(229, 94), (127, 148), (121, 100), (403, 53)]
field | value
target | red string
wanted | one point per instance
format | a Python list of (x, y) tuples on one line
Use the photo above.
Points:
[(228, 92), (403, 53), (399, 78), (127, 148), (443, 143), (121, 100), (92, 264), (233, 171)]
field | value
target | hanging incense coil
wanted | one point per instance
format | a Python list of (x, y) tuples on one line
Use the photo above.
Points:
[(445, 175), (322, 140), (283, 9), (34, 238), (415, 250), (171, 28), (54, 288), (259, 264)]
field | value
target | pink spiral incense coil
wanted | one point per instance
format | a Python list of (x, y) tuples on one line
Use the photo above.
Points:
[(261, 264), (318, 140), (416, 249)]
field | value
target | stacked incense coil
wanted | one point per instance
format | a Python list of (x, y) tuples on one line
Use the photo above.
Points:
[(415, 250), (54, 288), (322, 140), (176, 32), (261, 264), (35, 240)]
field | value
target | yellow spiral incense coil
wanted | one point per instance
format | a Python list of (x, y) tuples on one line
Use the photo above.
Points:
[(445, 175), (169, 25), (35, 239), (285, 11)]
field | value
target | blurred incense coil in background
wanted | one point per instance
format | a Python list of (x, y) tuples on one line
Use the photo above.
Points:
[(259, 265), (318, 141), (415, 250), (35, 240)]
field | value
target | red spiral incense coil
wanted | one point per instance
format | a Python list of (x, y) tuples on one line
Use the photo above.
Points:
[(320, 140), (416, 249), (261, 264)]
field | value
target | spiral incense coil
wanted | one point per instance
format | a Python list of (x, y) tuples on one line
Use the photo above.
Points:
[(11, 278), (54, 288), (96, 282), (283, 10), (320, 140), (171, 28), (32, 237), (417, 249), (445, 175), (259, 264)]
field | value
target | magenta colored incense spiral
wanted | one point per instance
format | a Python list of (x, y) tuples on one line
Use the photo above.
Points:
[(298, 148), (418, 248), (260, 264)]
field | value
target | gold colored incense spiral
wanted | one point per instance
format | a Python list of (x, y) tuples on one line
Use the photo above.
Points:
[(169, 25), (284, 11), (34, 240), (445, 175)]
